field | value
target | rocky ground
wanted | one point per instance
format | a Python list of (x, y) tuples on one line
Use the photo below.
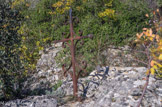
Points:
[(48, 71), (105, 87), (121, 87)]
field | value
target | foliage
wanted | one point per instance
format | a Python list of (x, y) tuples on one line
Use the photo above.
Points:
[(57, 85), (110, 21), (54, 88), (116, 23), (152, 44), (16, 3), (61, 6), (155, 50), (159, 3), (11, 69), (154, 41), (31, 42), (108, 13)]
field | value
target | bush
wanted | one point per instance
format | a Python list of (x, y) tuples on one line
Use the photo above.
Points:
[(116, 26), (11, 68), (151, 40), (111, 22)]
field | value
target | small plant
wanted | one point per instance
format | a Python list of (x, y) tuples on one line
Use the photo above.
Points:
[(54, 88), (152, 44), (57, 85)]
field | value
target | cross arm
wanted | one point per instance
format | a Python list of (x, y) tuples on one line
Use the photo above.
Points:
[(82, 37)]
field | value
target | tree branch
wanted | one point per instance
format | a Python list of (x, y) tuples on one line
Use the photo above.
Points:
[(144, 90), (147, 79), (140, 61)]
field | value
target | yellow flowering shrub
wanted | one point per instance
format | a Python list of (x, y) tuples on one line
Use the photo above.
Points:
[(16, 2), (30, 53), (50, 18), (84, 1), (61, 6), (107, 13), (26, 53), (58, 4), (109, 4)]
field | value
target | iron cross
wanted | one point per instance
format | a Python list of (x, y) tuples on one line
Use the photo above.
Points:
[(73, 64)]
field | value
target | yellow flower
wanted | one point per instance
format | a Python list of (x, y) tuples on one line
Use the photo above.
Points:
[(50, 12), (27, 17), (23, 38), (107, 12), (21, 57), (70, 1), (27, 4), (109, 4), (84, 1), (53, 25), (24, 47), (67, 8), (58, 4), (37, 43), (40, 48), (78, 8), (160, 57), (61, 6), (16, 2)]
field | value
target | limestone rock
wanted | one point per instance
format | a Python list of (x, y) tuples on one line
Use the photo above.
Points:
[(122, 88), (48, 71), (35, 101), (117, 57)]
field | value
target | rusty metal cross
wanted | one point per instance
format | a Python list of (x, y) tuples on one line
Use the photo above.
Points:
[(73, 64)]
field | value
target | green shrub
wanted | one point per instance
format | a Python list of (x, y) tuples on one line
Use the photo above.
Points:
[(57, 85), (112, 22), (54, 88), (159, 3), (11, 69)]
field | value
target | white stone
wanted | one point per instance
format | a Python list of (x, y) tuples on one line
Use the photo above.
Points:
[(56, 77), (139, 83)]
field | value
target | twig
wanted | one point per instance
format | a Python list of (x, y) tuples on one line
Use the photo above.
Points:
[(147, 78), (144, 90), (139, 51), (140, 61)]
